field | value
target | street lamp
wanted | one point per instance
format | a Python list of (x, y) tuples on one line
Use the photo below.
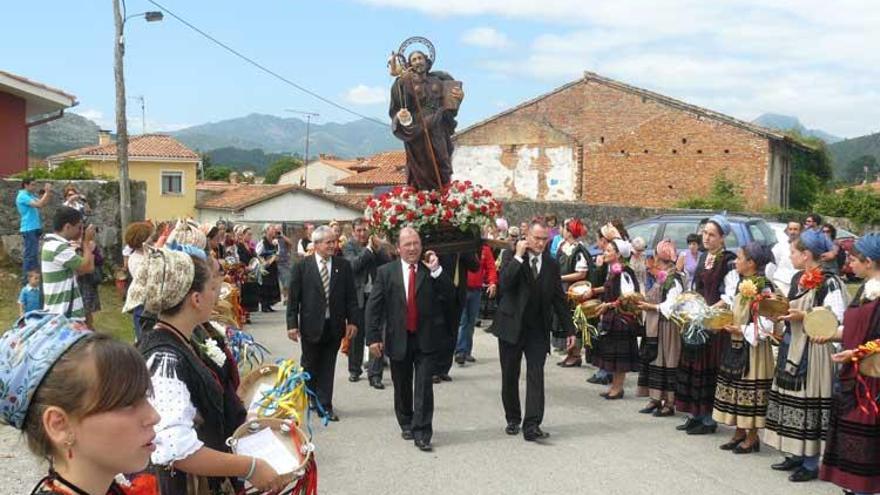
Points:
[(121, 124), (309, 116)]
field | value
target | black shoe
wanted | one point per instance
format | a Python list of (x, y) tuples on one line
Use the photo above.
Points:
[(687, 425), (755, 447), (788, 464), (701, 429), (534, 434), (354, 377), (732, 444), (376, 383), (424, 445), (664, 411), (459, 359), (406, 434), (803, 474), (594, 380), (613, 397), (653, 406), (445, 378), (512, 428), (435, 378), (470, 359), (565, 363)]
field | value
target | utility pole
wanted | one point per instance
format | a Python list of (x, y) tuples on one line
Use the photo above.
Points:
[(309, 116), (121, 124)]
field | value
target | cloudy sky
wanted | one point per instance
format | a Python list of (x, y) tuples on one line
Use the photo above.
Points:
[(816, 60)]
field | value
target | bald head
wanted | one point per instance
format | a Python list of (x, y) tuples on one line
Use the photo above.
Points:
[(409, 244)]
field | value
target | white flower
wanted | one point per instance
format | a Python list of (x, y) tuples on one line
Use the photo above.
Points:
[(214, 352), (872, 289)]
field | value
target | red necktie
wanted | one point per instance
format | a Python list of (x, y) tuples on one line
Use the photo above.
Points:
[(412, 312)]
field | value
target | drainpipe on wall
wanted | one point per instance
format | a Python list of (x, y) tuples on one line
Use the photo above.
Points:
[(44, 120)]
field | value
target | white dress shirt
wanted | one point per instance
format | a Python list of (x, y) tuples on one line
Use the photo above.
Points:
[(531, 257), (434, 274)]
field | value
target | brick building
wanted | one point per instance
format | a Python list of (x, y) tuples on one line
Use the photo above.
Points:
[(605, 142)]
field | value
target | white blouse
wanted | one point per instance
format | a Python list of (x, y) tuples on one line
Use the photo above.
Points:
[(627, 286), (666, 306), (176, 436), (731, 281)]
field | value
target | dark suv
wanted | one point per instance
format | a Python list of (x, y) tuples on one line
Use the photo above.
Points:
[(677, 227)]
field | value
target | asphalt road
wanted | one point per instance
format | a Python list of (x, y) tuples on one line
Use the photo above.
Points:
[(596, 446)]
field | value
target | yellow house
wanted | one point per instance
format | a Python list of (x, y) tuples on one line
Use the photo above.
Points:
[(168, 168)]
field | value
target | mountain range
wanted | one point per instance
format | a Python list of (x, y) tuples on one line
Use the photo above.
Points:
[(848, 150), (789, 123)]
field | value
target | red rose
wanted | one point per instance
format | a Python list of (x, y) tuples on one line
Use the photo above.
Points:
[(471, 207), (484, 209), (392, 220), (396, 191), (468, 183), (410, 215), (399, 208), (461, 188), (420, 201), (447, 215)]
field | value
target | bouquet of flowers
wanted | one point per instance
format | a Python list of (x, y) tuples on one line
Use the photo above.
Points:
[(463, 205)]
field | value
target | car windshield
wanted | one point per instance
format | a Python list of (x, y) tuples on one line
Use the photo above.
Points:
[(761, 232)]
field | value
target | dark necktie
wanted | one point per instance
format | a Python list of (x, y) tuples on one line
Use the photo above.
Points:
[(412, 311), (535, 268)]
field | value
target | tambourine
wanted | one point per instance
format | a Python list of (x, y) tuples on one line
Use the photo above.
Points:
[(284, 446), (718, 319), (259, 379), (577, 292), (820, 322), (773, 306)]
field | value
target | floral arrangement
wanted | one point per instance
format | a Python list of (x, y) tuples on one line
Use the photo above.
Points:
[(751, 287), (463, 205), (872, 290), (812, 279)]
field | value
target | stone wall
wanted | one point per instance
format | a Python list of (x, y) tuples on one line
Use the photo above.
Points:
[(628, 148), (103, 198)]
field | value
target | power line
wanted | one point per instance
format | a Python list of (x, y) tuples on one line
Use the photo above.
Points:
[(266, 69)]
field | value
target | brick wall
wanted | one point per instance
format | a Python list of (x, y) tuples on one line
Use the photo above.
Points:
[(633, 149)]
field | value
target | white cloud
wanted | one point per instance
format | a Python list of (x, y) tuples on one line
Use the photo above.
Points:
[(366, 95), (813, 59), (94, 115), (486, 37)]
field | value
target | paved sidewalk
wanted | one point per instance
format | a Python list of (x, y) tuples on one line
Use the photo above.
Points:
[(596, 447)]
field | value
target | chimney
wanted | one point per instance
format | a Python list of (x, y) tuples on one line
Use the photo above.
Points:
[(104, 137), (234, 178)]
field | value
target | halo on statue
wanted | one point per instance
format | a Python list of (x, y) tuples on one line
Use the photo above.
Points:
[(398, 62)]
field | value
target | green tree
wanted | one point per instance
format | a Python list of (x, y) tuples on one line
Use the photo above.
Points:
[(724, 195), (863, 167), (217, 173), (860, 205), (281, 167), (811, 172), (66, 170)]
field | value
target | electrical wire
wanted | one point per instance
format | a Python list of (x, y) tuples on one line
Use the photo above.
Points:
[(266, 69)]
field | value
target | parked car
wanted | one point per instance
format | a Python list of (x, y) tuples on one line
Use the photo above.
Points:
[(677, 227)]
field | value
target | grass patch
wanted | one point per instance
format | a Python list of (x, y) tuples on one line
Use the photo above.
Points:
[(109, 320)]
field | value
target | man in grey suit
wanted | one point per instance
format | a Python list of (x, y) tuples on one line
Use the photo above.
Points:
[(365, 253)]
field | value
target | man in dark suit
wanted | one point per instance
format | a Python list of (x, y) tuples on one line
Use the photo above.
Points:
[(530, 293), (364, 252), (321, 308), (410, 300), (457, 266)]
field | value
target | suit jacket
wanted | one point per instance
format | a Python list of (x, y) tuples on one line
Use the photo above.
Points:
[(515, 287), (306, 302), (386, 308), (363, 264)]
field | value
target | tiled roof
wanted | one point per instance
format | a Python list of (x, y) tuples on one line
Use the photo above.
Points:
[(37, 84), (358, 201), (387, 168), (237, 197), (337, 163), (143, 146)]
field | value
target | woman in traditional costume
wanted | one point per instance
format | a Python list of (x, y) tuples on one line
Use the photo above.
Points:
[(800, 400), (617, 350), (80, 399), (574, 264), (267, 250), (746, 372), (852, 449), (698, 366), (191, 454), (657, 377), (250, 289)]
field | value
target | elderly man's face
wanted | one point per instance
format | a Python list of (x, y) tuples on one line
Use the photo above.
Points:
[(418, 62), (326, 247), (409, 245)]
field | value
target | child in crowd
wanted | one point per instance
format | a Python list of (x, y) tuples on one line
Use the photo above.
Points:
[(30, 297)]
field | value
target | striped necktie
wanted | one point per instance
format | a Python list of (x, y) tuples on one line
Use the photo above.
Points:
[(325, 279)]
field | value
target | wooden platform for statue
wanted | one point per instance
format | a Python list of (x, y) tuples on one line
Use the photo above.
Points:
[(447, 239)]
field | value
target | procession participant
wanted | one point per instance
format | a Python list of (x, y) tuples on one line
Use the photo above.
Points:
[(657, 378), (250, 289), (191, 435), (285, 245), (687, 260), (639, 263), (213, 238), (698, 366), (617, 350), (783, 271), (457, 267), (365, 253), (303, 246), (800, 400), (597, 277), (746, 370), (574, 265), (485, 276), (852, 448), (408, 304), (322, 309), (267, 250), (80, 399), (530, 293), (136, 236)]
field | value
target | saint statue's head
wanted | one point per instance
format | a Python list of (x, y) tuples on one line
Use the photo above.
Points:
[(419, 62)]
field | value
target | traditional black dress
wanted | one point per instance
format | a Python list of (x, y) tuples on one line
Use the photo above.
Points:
[(617, 350), (250, 289), (270, 291)]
